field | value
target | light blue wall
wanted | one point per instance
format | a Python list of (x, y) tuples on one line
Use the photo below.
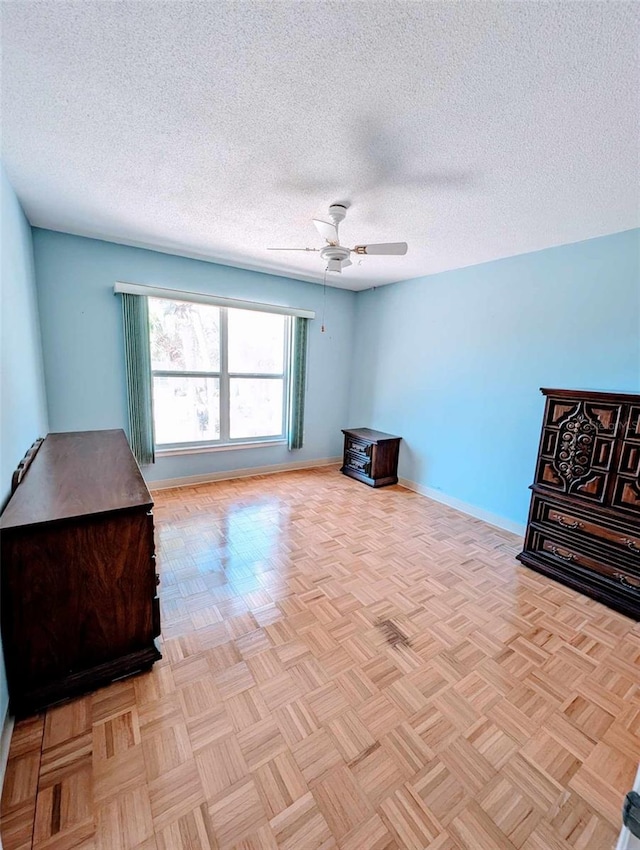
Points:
[(23, 415), (83, 346), (453, 362)]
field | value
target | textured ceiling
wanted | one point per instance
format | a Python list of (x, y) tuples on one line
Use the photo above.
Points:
[(472, 130)]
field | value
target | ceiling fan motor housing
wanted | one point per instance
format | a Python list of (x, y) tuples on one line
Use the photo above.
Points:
[(334, 255)]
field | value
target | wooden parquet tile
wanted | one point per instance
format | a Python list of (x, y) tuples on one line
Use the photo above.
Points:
[(343, 669)]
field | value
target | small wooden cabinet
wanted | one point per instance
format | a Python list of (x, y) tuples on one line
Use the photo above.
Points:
[(584, 521), (371, 456), (79, 605)]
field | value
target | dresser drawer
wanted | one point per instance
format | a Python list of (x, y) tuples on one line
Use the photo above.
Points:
[(352, 444), (579, 524), (573, 558), (357, 463), (151, 532), (155, 617)]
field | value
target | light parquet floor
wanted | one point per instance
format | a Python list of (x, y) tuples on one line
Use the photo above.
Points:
[(343, 668)]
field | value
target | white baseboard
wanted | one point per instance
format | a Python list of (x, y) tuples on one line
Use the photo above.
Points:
[(230, 474), (464, 507), (5, 743)]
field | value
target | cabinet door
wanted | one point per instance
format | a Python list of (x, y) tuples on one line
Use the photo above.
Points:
[(626, 492), (577, 447)]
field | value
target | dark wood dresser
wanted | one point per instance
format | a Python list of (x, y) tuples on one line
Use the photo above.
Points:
[(79, 605), (371, 456), (584, 522)]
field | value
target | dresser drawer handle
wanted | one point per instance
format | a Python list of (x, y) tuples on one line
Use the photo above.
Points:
[(567, 557), (631, 544), (157, 579), (628, 582), (360, 448), (561, 521)]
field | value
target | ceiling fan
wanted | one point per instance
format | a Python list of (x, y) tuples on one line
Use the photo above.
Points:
[(337, 255)]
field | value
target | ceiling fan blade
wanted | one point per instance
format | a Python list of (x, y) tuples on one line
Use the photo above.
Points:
[(326, 230), (396, 248), (346, 263), (293, 249)]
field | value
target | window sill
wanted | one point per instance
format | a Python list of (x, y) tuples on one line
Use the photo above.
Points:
[(225, 447)]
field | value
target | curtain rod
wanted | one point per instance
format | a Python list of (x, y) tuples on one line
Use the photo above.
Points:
[(202, 298)]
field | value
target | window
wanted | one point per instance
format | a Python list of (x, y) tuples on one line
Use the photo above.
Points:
[(220, 374), (219, 371)]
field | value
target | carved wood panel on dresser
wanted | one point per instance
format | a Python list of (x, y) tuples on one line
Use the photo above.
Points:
[(79, 605), (584, 521)]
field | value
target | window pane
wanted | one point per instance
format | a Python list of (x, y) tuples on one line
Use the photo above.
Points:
[(255, 407), (256, 342), (184, 335), (186, 410)]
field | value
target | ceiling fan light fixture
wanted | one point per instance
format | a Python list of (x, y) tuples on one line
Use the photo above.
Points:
[(334, 266)]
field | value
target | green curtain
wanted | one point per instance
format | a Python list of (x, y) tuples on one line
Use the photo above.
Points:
[(135, 312), (298, 381)]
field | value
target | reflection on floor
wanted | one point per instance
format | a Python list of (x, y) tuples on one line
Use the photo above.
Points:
[(343, 667)]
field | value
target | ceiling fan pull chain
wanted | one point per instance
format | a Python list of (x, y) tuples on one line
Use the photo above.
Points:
[(324, 298)]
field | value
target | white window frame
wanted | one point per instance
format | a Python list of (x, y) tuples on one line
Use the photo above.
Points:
[(225, 441)]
